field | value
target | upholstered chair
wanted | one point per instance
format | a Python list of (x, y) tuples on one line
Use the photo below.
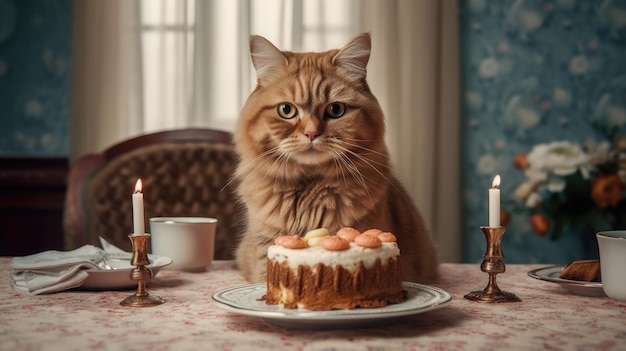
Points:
[(185, 172)]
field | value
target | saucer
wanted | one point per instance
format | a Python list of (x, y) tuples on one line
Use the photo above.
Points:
[(576, 287), (117, 277), (244, 300)]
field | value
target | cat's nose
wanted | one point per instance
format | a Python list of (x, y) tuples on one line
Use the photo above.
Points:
[(312, 134)]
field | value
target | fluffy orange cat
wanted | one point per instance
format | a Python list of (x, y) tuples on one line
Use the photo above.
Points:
[(312, 154)]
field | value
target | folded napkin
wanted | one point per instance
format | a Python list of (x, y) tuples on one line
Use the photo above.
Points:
[(52, 270)]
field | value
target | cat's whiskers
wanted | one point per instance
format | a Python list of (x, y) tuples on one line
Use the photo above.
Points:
[(276, 166), (336, 155), (339, 144), (386, 156), (281, 163), (367, 161), (251, 164), (343, 160)]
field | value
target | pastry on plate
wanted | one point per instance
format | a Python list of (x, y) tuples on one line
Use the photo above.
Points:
[(582, 270)]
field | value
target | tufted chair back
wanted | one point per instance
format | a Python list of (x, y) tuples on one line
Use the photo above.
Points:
[(185, 172)]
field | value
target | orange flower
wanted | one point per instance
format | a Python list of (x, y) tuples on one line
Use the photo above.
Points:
[(521, 161), (606, 190), (541, 225), (505, 218)]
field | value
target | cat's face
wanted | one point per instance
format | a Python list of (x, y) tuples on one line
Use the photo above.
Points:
[(311, 109)]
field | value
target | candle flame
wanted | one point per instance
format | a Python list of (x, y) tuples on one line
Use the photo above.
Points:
[(138, 186), (496, 182)]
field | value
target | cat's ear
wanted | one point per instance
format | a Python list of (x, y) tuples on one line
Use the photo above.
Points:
[(353, 57), (266, 58)]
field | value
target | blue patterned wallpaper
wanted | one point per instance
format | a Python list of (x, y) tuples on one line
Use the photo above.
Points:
[(544, 87), (35, 54), (544, 105)]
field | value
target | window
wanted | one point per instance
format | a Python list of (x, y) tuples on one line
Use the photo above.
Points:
[(195, 62)]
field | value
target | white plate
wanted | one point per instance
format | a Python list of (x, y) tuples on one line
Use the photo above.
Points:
[(117, 278), (245, 300), (577, 287)]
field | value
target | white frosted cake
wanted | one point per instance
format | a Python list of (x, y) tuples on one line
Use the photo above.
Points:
[(343, 271)]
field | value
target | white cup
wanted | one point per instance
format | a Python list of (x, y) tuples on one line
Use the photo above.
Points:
[(612, 246), (188, 241)]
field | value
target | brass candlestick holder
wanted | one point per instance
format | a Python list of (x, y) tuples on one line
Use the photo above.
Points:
[(141, 274), (493, 265)]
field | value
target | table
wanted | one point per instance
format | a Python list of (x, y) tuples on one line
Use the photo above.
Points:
[(547, 318)]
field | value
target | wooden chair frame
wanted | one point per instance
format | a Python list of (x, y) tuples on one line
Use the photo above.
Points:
[(87, 166)]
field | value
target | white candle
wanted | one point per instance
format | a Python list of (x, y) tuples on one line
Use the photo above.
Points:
[(494, 202), (138, 223)]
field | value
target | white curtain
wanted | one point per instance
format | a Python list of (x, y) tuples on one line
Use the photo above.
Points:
[(414, 72), (201, 78), (105, 102)]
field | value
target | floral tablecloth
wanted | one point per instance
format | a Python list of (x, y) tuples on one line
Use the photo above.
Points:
[(547, 318)]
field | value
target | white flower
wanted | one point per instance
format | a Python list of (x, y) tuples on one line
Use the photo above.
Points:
[(48, 141), (524, 190), (499, 144), (616, 115), (473, 99), (33, 108), (528, 117), (534, 200), (503, 48), (551, 162), (55, 64), (522, 115), (535, 176), (559, 157), (488, 68), (530, 20), (578, 65), (562, 97), (27, 142), (610, 113), (556, 184), (486, 164)]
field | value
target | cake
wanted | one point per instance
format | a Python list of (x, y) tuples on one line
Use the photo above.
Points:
[(583, 270), (323, 272)]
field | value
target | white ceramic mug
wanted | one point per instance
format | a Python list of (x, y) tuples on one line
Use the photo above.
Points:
[(612, 245), (188, 241)]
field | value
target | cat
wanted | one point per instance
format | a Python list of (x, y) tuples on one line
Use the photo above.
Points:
[(310, 141)]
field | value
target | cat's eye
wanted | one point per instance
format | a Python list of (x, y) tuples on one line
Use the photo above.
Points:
[(287, 110), (335, 110)]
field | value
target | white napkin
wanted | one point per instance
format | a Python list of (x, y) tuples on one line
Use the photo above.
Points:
[(52, 270)]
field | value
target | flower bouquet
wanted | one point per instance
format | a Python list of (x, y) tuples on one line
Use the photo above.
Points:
[(574, 190)]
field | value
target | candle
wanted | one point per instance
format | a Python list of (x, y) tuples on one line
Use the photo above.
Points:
[(494, 202), (138, 223)]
